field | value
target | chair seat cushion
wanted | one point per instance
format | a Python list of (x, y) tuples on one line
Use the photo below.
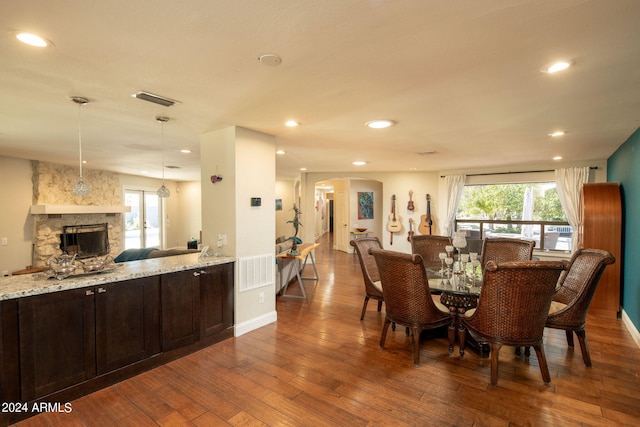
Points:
[(469, 312), (556, 306), (378, 285), (440, 306)]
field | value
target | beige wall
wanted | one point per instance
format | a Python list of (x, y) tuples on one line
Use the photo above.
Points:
[(246, 161), (16, 224), (285, 191)]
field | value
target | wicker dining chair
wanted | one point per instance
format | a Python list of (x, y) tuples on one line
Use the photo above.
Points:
[(502, 249), (372, 287), (429, 247), (572, 300), (513, 307), (407, 298)]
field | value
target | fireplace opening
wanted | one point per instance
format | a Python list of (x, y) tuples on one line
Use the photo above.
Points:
[(85, 240)]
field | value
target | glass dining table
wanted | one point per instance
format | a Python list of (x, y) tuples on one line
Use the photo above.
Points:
[(459, 291)]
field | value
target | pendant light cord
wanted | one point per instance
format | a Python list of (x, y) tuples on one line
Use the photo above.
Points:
[(80, 104)]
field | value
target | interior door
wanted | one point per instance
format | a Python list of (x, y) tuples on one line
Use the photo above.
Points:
[(341, 221)]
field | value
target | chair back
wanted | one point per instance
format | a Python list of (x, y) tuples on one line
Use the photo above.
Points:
[(428, 247), (405, 287), (368, 263), (503, 249), (514, 301), (578, 285)]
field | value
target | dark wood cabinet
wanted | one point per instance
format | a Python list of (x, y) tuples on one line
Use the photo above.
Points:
[(127, 323), (69, 337), (216, 294), (57, 341), (196, 304), (61, 345), (180, 309)]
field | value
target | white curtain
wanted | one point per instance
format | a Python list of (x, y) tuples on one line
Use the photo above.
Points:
[(569, 183), (454, 185)]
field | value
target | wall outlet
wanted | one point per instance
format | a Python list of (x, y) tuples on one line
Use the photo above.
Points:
[(5, 241), (222, 240), (261, 297)]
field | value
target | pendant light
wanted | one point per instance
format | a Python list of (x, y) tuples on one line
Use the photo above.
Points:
[(81, 188), (163, 191)]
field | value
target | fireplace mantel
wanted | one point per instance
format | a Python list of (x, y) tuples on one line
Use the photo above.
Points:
[(77, 209)]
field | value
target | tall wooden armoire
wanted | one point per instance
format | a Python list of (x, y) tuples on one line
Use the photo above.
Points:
[(602, 218)]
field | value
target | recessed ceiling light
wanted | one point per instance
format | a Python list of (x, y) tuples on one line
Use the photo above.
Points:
[(280, 152), (556, 67), (185, 151), (380, 124), (303, 169), (291, 123), (32, 39), (557, 158), (359, 163), (270, 59), (557, 133)]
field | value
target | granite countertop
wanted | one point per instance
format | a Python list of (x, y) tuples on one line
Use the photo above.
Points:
[(40, 283)]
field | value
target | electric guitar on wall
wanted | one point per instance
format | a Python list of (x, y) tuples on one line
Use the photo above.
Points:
[(426, 222), (394, 224)]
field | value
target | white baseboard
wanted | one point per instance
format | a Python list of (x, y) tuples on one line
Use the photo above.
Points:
[(631, 328), (255, 323)]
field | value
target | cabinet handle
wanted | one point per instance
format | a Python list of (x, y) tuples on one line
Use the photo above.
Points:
[(88, 293), (196, 274), (203, 272), (101, 290)]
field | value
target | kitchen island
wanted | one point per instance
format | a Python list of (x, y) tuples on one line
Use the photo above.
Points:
[(61, 339)]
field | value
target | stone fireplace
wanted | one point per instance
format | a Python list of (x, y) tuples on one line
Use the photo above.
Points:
[(55, 207)]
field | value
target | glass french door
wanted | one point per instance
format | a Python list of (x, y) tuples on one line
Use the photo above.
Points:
[(143, 225)]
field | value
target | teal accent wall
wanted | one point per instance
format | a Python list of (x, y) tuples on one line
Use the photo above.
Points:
[(624, 167)]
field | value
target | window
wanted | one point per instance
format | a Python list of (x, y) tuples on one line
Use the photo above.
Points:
[(523, 210)]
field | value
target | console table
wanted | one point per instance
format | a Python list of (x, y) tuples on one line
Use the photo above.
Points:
[(305, 251)]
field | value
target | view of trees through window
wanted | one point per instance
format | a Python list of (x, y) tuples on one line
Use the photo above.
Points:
[(528, 210)]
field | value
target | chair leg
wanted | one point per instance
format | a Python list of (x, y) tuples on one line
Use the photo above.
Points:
[(495, 353), (582, 339), (385, 328), (364, 306), (569, 337), (416, 345), (379, 305), (542, 361)]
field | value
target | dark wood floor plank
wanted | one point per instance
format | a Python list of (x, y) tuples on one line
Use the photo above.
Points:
[(320, 365)]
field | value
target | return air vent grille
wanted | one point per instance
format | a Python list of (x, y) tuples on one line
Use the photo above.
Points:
[(156, 99), (256, 272)]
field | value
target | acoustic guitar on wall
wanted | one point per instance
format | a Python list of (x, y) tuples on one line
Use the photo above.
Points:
[(426, 221), (410, 206), (394, 224), (411, 232)]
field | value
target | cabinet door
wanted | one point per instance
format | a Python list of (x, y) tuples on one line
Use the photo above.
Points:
[(180, 293), (216, 294), (127, 322), (57, 341)]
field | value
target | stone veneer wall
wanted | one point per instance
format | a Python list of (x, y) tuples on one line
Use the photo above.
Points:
[(52, 184)]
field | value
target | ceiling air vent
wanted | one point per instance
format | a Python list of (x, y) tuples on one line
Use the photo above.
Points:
[(156, 99), (427, 153)]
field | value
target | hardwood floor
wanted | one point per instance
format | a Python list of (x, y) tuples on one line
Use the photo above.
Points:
[(319, 365)]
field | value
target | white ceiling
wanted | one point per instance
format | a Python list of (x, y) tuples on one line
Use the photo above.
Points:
[(459, 77)]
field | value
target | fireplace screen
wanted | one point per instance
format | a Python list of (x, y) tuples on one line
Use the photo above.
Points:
[(85, 240)]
